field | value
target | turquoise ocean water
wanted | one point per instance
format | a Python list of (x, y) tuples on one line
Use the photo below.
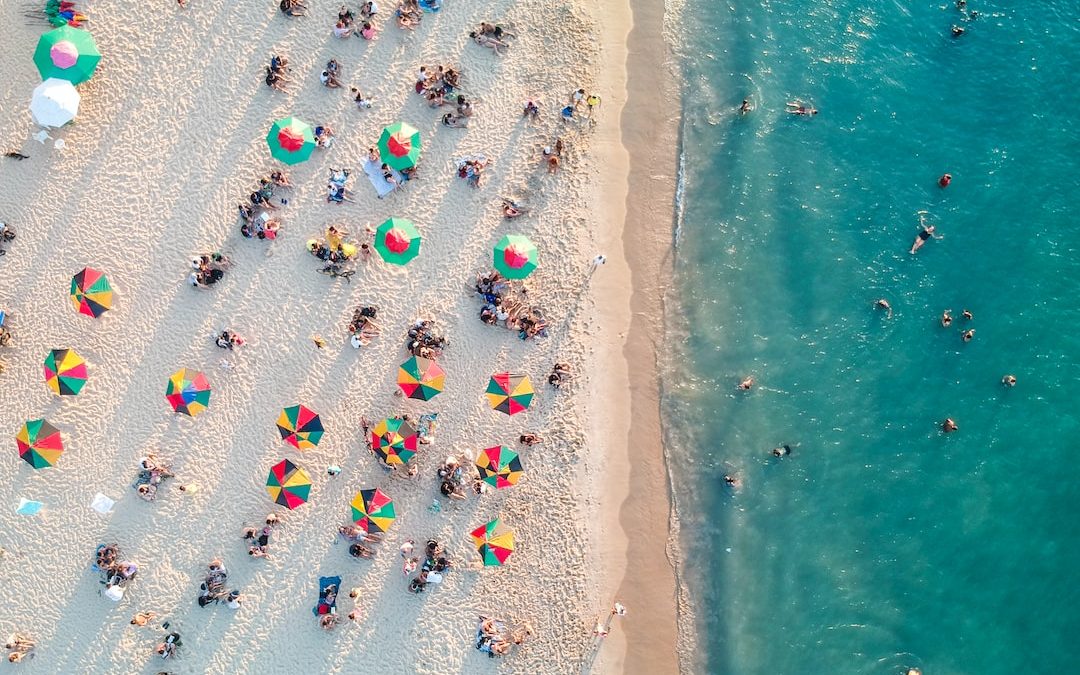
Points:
[(881, 542)]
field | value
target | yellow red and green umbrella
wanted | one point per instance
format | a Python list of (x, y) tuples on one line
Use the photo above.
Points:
[(421, 378), (188, 392), (300, 427), (499, 466), (397, 241), (67, 53), (291, 140), (372, 510), (39, 443), (91, 293), (509, 393), (399, 146), (494, 541), (65, 372), (515, 256), (394, 441), (288, 484)]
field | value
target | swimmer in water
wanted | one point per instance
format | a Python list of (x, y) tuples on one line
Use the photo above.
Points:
[(949, 426), (968, 316), (945, 180), (746, 384), (884, 304), (782, 451), (957, 31), (1009, 380), (925, 233), (732, 481), (968, 335), (799, 108), (946, 318), (745, 107)]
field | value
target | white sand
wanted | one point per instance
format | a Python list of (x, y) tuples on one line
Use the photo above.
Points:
[(169, 139)]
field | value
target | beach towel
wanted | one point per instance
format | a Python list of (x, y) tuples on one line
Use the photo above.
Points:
[(382, 186), (323, 607), (28, 507), (430, 6)]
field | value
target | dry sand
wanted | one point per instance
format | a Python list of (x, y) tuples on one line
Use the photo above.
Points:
[(169, 139)]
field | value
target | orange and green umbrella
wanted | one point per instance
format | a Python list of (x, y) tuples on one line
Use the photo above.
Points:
[(515, 256), (300, 427), (288, 484), (91, 293), (291, 140), (421, 378), (397, 241), (188, 392), (494, 541), (67, 53), (65, 372), (372, 510), (39, 443), (499, 466), (399, 146), (394, 440), (509, 393)]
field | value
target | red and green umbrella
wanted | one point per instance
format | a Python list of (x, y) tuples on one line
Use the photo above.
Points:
[(300, 427), (91, 293), (421, 378), (39, 443), (499, 466), (494, 541), (394, 441), (509, 393), (65, 372), (372, 510), (397, 241), (188, 392), (68, 54), (515, 256), (291, 140), (288, 484), (399, 146)]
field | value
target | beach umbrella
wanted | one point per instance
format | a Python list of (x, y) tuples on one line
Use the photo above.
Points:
[(300, 427), (291, 140), (509, 393), (68, 54), (65, 372), (55, 102), (188, 392), (91, 293), (372, 510), (494, 541), (288, 484), (515, 256), (397, 241), (394, 440), (421, 378), (39, 443), (399, 146), (499, 466)]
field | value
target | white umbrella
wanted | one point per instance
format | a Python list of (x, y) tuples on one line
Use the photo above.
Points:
[(55, 102)]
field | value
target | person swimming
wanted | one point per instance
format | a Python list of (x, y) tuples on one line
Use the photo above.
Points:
[(949, 426), (782, 451), (882, 303), (925, 233), (746, 384), (799, 108), (946, 318), (945, 179), (745, 107), (1009, 380), (968, 335)]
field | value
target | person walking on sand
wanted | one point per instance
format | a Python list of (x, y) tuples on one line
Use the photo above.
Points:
[(596, 263)]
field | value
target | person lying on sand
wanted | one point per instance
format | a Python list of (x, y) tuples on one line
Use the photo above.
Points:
[(512, 209), (489, 41), (293, 7), (455, 121), (494, 30)]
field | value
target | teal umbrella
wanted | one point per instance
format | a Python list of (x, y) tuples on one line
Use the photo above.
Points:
[(68, 54)]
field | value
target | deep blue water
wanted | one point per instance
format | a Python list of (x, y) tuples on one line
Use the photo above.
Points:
[(881, 542)]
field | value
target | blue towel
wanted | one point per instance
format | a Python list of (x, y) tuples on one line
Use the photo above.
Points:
[(324, 583)]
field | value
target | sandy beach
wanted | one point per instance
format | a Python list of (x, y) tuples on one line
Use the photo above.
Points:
[(170, 137)]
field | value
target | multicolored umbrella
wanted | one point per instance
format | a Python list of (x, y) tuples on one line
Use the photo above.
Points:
[(499, 466), (397, 241), (288, 484), (372, 510), (509, 393), (55, 102), (421, 378), (494, 541), (300, 427), (394, 441), (515, 256), (291, 140), (91, 293), (399, 146), (39, 443), (65, 372), (68, 54), (188, 392)]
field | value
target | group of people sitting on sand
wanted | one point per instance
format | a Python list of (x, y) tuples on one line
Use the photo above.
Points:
[(276, 77), (552, 155), (208, 269), (424, 341), (560, 375), (115, 572), (347, 23), (212, 589), (436, 565), (229, 339), (493, 36), (496, 637), (471, 169), (151, 475), (437, 84), (505, 304), (19, 647), (362, 327), (410, 12), (258, 538), (362, 544), (7, 233), (293, 7), (256, 216), (456, 474)]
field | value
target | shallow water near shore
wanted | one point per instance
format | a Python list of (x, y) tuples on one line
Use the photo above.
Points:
[(881, 542)]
